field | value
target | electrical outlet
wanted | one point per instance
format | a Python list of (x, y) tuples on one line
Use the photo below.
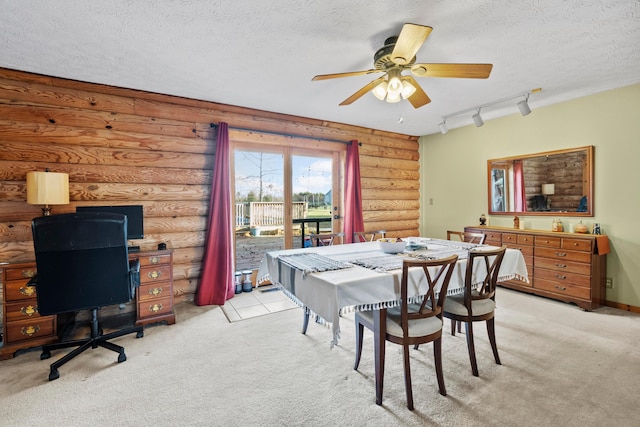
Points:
[(609, 282)]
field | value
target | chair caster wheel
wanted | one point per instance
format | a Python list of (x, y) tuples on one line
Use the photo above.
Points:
[(54, 375), (45, 355), (140, 334), (122, 357)]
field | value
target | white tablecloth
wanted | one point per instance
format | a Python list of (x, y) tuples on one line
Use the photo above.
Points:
[(329, 293)]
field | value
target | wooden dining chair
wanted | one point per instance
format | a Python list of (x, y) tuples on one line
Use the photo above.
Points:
[(478, 303), (411, 324), (368, 236), (464, 236), (326, 239)]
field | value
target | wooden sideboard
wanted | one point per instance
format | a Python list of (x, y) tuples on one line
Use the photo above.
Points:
[(23, 327), (569, 267)]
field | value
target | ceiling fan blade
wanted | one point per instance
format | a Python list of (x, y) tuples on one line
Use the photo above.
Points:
[(349, 74), (419, 97), (409, 42), (469, 71), (362, 91)]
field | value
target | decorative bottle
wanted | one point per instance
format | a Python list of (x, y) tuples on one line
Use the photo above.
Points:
[(554, 225)]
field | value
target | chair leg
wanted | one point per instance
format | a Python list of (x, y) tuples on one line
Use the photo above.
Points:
[(407, 377), (491, 329), (359, 340), (305, 320), (453, 327), (470, 346), (459, 326), (437, 358)]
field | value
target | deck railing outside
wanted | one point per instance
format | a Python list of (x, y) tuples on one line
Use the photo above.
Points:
[(258, 214)]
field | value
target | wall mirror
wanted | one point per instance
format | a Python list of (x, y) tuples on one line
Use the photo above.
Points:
[(552, 183)]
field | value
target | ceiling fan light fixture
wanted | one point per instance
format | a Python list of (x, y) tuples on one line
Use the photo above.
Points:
[(523, 106), (393, 97), (477, 119), (408, 89), (380, 91)]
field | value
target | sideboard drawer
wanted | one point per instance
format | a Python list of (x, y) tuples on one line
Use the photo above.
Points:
[(563, 288), (563, 255)]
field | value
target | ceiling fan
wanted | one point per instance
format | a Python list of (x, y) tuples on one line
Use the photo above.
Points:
[(397, 55)]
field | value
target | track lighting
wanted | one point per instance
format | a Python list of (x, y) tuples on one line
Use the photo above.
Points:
[(477, 119), (523, 106), (443, 128)]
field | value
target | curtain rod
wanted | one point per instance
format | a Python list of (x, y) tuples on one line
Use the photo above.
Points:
[(215, 125)]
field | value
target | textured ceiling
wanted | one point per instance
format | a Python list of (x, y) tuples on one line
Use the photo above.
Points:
[(263, 53)]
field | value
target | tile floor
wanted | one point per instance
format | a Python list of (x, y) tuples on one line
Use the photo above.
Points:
[(259, 302)]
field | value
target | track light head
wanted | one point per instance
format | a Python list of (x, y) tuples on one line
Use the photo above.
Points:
[(477, 119), (523, 106), (443, 128)]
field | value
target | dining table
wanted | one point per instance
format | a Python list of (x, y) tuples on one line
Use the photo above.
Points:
[(328, 281)]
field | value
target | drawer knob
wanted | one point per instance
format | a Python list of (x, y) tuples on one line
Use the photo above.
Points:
[(28, 274), (28, 310), (155, 291), (560, 288), (154, 260), (559, 276), (561, 254), (29, 330), (561, 265), (155, 308), (154, 274), (28, 291)]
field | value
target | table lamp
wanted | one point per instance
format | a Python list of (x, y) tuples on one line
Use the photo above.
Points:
[(47, 188), (548, 190)]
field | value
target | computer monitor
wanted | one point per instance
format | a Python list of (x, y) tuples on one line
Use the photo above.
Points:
[(135, 218)]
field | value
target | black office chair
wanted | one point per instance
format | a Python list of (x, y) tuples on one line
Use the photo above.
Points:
[(83, 263)]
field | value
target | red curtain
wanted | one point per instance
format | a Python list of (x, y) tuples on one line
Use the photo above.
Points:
[(216, 278), (518, 187), (352, 193)]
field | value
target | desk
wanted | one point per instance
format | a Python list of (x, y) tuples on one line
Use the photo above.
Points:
[(329, 293), (23, 327)]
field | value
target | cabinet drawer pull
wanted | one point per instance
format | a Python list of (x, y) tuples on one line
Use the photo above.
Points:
[(561, 265), (154, 260), (155, 308), (28, 310), (28, 274), (560, 288), (561, 254), (154, 274), (155, 291), (28, 291), (559, 276), (30, 330)]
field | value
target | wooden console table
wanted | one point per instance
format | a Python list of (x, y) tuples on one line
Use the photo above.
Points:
[(569, 267), (23, 327)]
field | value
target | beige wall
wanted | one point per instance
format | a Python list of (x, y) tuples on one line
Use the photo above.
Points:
[(453, 173)]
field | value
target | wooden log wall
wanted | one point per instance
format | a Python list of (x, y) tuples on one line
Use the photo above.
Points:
[(122, 146)]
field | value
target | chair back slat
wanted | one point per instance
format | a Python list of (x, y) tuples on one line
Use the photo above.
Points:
[(368, 236), (437, 274), (483, 287), (465, 236)]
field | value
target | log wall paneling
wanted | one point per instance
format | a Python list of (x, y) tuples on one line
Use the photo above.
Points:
[(123, 146)]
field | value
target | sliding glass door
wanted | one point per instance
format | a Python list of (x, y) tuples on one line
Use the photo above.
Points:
[(282, 194)]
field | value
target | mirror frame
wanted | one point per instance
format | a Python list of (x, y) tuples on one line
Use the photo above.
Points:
[(588, 171)]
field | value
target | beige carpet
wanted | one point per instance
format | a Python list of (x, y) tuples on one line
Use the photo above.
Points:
[(561, 367)]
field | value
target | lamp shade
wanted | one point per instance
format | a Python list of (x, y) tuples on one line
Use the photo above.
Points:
[(548, 189), (47, 188)]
